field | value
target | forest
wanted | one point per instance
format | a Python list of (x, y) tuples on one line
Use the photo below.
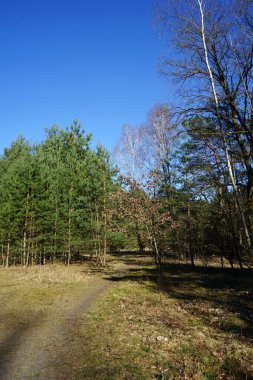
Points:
[(180, 185)]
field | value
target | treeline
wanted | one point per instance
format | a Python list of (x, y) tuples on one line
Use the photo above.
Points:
[(178, 197), (54, 198), (198, 153), (185, 187), (61, 199)]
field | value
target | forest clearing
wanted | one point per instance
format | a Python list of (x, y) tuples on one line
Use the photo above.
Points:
[(126, 321), (126, 250)]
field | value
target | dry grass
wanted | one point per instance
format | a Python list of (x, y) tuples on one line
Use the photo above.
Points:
[(171, 330), (39, 317), (194, 324), (47, 275), (27, 295)]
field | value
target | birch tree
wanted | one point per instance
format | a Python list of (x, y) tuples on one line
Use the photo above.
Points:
[(214, 42)]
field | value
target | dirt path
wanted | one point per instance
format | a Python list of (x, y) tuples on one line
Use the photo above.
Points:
[(51, 347)]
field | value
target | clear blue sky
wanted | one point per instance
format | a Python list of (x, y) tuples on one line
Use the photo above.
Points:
[(91, 60)]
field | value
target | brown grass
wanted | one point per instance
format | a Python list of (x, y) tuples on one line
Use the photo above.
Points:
[(190, 325), (193, 323)]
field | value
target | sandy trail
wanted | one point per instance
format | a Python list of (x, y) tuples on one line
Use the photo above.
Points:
[(51, 348)]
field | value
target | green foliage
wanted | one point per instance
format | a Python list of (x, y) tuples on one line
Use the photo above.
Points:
[(54, 197), (116, 241)]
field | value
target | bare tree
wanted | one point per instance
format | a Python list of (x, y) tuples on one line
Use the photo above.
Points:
[(160, 133), (215, 59), (144, 152), (129, 151)]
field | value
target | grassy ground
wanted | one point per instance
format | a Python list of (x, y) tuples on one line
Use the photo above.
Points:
[(28, 293), (28, 296), (191, 324)]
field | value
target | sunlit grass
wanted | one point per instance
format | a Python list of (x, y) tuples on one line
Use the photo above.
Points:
[(189, 324), (148, 330)]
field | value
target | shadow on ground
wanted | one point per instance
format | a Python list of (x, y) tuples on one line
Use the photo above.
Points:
[(133, 258), (221, 297), (13, 340)]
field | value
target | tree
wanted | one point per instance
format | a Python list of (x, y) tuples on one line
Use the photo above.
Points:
[(129, 151), (16, 187), (216, 58), (145, 150), (54, 198), (95, 201)]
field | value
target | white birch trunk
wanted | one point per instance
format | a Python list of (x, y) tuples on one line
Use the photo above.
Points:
[(228, 161)]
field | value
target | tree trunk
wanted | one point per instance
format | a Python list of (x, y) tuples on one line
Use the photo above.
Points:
[(189, 221), (8, 252), (104, 227), (228, 161), (69, 235), (3, 255)]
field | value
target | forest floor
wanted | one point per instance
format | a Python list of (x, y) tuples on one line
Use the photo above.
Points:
[(126, 322)]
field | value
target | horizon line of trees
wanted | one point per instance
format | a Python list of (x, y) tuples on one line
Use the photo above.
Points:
[(54, 198), (60, 199), (183, 187)]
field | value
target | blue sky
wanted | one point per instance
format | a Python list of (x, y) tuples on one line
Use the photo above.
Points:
[(91, 60)]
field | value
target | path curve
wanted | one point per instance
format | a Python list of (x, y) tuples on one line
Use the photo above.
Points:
[(43, 350)]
